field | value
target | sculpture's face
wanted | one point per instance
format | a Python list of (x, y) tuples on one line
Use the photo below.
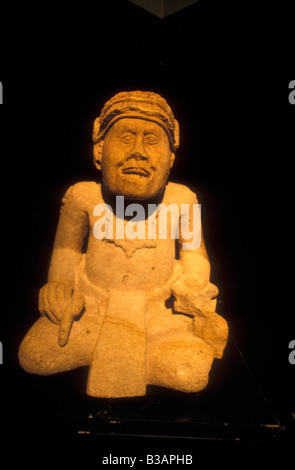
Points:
[(136, 158)]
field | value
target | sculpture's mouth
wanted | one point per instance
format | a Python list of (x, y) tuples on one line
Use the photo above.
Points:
[(134, 170)]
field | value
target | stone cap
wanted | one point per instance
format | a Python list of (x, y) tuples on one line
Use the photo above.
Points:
[(141, 105)]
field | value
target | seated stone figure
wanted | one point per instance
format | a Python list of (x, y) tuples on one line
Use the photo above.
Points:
[(137, 310)]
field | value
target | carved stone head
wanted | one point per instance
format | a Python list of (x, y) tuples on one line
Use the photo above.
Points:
[(135, 139)]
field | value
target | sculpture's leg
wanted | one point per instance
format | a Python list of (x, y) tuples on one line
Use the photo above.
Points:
[(180, 365), (40, 353), (176, 357)]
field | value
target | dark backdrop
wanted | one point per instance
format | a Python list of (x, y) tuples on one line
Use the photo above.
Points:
[(224, 67)]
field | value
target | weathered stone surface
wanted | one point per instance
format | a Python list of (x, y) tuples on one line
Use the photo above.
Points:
[(108, 306)]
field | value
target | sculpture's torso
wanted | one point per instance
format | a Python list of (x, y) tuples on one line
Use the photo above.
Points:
[(156, 265), (142, 264)]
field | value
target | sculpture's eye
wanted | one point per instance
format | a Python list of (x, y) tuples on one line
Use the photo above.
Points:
[(151, 139), (127, 138)]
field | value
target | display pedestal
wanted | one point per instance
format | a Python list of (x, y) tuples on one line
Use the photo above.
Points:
[(231, 412)]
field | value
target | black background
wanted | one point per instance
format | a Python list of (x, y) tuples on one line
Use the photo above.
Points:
[(224, 68)]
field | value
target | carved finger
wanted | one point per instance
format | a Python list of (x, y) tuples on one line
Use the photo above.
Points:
[(65, 327), (60, 297), (69, 288), (78, 302), (46, 306), (52, 299)]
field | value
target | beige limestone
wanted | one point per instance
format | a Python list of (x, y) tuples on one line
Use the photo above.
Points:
[(109, 306)]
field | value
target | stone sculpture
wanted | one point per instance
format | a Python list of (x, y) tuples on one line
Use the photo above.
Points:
[(135, 306)]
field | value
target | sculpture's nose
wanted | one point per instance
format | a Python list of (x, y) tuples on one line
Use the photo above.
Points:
[(138, 151), (136, 156)]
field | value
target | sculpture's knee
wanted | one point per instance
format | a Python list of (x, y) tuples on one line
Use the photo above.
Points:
[(35, 354), (30, 360), (192, 378), (181, 366)]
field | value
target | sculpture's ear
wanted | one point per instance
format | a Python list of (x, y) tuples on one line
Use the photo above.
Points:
[(176, 134), (97, 152), (97, 147), (172, 158), (176, 143)]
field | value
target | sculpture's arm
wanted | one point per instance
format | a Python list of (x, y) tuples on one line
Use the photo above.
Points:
[(58, 299), (70, 235), (193, 253), (193, 291), (196, 295), (195, 261)]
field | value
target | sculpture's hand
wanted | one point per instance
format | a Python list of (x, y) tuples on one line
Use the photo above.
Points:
[(213, 329), (61, 304), (193, 294)]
